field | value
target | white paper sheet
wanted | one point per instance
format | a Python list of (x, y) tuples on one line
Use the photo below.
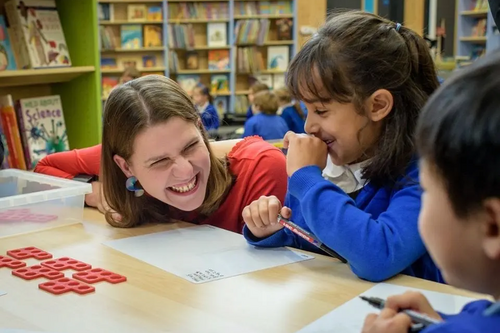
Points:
[(349, 317), (2, 293), (204, 253)]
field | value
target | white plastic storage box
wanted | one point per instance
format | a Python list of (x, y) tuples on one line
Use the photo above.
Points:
[(31, 202)]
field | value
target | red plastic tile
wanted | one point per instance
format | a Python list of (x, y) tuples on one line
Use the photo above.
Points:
[(11, 263), (66, 263), (97, 275), (29, 252), (65, 285), (37, 271), (16, 215)]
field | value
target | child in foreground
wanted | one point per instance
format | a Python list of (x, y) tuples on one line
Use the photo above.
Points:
[(364, 80), (458, 138)]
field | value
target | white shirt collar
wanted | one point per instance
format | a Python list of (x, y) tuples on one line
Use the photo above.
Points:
[(202, 108), (281, 108), (347, 177)]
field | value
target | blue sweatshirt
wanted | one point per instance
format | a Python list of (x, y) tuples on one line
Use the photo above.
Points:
[(269, 127), (470, 320), (210, 118), (249, 112), (377, 233), (293, 120)]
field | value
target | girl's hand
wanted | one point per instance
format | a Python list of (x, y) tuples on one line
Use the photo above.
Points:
[(389, 321), (261, 216), (304, 150)]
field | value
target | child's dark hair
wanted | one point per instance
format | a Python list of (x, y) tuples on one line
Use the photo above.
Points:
[(205, 92), (285, 96), (356, 53), (458, 135)]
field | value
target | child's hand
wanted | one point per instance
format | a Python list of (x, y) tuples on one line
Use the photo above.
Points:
[(389, 321), (412, 300), (304, 150), (261, 216)]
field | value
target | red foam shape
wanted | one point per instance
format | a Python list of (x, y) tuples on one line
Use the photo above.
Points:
[(17, 215), (65, 285), (29, 252), (11, 263), (66, 263), (37, 271), (97, 275)]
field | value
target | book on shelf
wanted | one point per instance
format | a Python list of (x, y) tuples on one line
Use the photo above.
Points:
[(136, 13), (217, 34), (131, 36), (108, 63), (192, 60), (218, 60), (188, 82), (251, 31), (173, 62), (278, 57), (109, 40), (273, 81), (250, 59), (284, 29), (40, 40), (152, 36), (220, 104), (262, 8), (198, 10), (108, 83), (11, 131), (7, 59), (42, 126), (149, 61), (7, 158), (479, 29), (105, 11), (479, 5), (241, 104), (155, 14), (219, 83), (181, 36)]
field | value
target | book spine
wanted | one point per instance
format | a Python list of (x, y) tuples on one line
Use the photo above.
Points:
[(24, 136), (13, 138), (7, 158)]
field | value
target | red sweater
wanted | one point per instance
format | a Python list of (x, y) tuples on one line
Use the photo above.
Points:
[(259, 168)]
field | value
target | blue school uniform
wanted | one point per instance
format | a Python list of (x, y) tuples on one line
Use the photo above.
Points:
[(210, 117), (377, 232), (472, 319), (293, 119), (269, 127), (249, 112)]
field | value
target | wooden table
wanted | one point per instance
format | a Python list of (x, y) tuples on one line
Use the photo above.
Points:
[(282, 299)]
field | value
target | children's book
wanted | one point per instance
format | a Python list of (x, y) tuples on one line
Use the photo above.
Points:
[(108, 83), (188, 82), (131, 36), (216, 34), (220, 104), (285, 28), (41, 38), (192, 60), (219, 84), (108, 63), (152, 36), (7, 60), (136, 13), (155, 14), (148, 61), (12, 133), (278, 57), (105, 11), (278, 81), (218, 60), (6, 156), (44, 127)]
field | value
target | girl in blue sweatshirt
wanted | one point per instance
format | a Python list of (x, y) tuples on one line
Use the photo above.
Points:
[(254, 89), (203, 101), (364, 80), (291, 112), (459, 146)]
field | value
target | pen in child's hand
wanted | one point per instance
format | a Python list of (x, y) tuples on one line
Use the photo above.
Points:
[(308, 237), (420, 319)]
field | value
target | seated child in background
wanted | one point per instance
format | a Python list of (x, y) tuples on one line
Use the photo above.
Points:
[(364, 80), (265, 123), (459, 145), (130, 73), (203, 101), (255, 88), (291, 111)]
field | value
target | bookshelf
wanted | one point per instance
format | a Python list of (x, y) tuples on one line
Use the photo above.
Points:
[(192, 59), (475, 31), (78, 85)]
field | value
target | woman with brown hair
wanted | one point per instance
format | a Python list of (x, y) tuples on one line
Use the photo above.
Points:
[(158, 165)]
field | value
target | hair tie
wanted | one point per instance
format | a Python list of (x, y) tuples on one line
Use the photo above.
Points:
[(398, 26)]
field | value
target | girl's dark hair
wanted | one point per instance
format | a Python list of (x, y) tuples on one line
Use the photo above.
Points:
[(205, 91), (356, 53), (458, 135)]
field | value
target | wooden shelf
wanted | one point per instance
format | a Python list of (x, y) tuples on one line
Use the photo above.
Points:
[(198, 0), (201, 71), (25, 77), (142, 49), (264, 71), (242, 92), (131, 1), (141, 70), (474, 13), (479, 40), (202, 48), (269, 43), (125, 22), (262, 16), (175, 21), (221, 94)]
